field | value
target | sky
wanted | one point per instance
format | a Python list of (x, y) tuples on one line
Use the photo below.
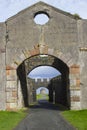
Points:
[(9, 8), (43, 72)]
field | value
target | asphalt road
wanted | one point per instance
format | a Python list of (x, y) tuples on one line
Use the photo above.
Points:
[(44, 116)]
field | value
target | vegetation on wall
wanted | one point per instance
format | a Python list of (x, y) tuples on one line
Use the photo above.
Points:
[(76, 16)]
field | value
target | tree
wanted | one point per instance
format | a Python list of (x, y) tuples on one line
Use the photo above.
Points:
[(76, 16)]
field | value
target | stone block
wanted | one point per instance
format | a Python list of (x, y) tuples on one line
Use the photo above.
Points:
[(10, 98), (13, 105), (75, 93), (11, 85), (78, 82), (50, 51), (75, 69), (11, 75), (8, 106), (34, 52), (9, 67), (22, 56), (26, 53), (43, 49), (74, 76), (14, 94), (73, 82), (75, 105), (2, 100), (75, 98)]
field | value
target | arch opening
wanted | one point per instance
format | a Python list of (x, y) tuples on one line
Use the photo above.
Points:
[(41, 18), (58, 85), (44, 72), (42, 94)]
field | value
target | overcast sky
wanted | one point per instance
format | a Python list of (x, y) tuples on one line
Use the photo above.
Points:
[(44, 72), (9, 8)]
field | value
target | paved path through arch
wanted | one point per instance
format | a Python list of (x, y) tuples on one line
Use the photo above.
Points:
[(44, 116)]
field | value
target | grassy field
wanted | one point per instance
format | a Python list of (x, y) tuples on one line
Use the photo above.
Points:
[(42, 96), (77, 118), (8, 120)]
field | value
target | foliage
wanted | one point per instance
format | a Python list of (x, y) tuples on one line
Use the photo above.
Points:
[(9, 120), (76, 16), (77, 118)]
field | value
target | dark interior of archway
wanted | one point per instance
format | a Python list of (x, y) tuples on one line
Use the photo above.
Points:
[(62, 92)]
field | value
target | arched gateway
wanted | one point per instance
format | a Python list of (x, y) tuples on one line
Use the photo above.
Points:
[(66, 91), (58, 43)]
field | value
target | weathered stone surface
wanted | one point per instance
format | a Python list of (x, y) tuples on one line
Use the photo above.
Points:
[(62, 37), (14, 94), (78, 82), (75, 105), (11, 106), (11, 97), (2, 100), (75, 69), (11, 75), (75, 93), (11, 85), (2, 81), (50, 51), (2, 65), (75, 99), (2, 37)]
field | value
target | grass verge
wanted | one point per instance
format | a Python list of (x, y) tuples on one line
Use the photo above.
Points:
[(77, 118), (42, 96), (9, 120)]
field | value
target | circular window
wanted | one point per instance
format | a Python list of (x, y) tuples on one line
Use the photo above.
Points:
[(41, 18)]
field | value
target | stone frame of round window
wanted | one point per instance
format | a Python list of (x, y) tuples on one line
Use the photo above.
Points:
[(41, 18)]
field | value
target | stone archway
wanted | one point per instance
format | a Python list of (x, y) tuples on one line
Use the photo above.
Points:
[(49, 60), (13, 87)]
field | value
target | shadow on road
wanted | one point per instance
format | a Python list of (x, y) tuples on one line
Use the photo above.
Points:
[(44, 116), (44, 104)]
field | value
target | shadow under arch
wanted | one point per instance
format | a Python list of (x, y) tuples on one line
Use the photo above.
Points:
[(62, 92), (21, 73)]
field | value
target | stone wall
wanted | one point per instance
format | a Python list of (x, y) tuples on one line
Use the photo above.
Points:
[(82, 31), (2, 66), (62, 37), (24, 33)]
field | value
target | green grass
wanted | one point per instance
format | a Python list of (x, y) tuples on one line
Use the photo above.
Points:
[(42, 96), (9, 120), (77, 118)]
